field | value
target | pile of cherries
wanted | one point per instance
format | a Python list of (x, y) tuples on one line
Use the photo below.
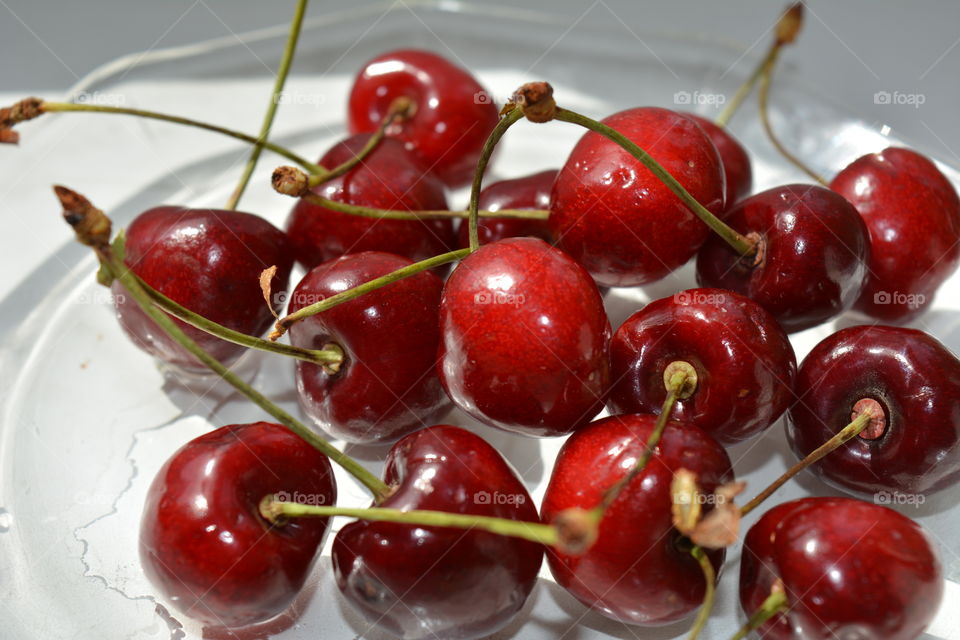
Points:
[(516, 336)]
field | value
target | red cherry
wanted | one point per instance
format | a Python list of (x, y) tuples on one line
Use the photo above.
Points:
[(524, 339), (616, 218), (387, 385), (389, 178), (913, 214), (813, 258), (454, 113), (429, 582), (744, 362), (736, 161), (848, 568), (635, 571), (203, 543), (210, 262), (916, 381), (528, 192)]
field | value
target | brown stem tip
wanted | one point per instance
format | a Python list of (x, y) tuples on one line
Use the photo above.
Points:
[(576, 530), (536, 100), (90, 224), (878, 418), (26, 109), (290, 181), (788, 28)]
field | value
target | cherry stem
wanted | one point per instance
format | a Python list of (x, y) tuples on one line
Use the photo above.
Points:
[(506, 121), (285, 322), (275, 512), (61, 107), (93, 229), (741, 244), (775, 603), (282, 72), (846, 434), (330, 358), (710, 575), (744, 90), (370, 212)]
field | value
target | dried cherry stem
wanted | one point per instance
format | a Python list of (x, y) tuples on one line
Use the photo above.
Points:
[(330, 358), (846, 434), (286, 321), (506, 121), (93, 227), (277, 512), (775, 603), (282, 72), (708, 596), (740, 243)]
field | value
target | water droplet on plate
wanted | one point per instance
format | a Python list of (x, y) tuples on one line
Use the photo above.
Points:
[(6, 520)]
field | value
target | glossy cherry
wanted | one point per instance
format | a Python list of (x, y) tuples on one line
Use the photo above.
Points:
[(429, 582), (744, 362), (616, 218), (848, 569), (210, 262), (454, 113), (736, 161), (524, 339), (814, 249), (528, 192), (637, 570), (388, 178), (203, 543), (387, 385), (915, 379), (913, 214)]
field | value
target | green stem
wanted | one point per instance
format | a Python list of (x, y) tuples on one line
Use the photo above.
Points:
[(294, 35), (61, 107), (329, 358), (775, 603), (505, 123), (740, 244), (370, 212), (533, 531), (285, 322), (846, 434), (724, 118), (711, 578)]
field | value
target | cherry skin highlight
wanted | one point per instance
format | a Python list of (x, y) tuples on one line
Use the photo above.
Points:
[(528, 192), (203, 543)]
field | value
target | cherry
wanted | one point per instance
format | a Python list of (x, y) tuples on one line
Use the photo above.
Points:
[(387, 385), (812, 257), (915, 380), (736, 161), (428, 582), (203, 543), (210, 262), (388, 178), (636, 571), (744, 363), (528, 192), (524, 339), (829, 555), (454, 113), (913, 214), (611, 214)]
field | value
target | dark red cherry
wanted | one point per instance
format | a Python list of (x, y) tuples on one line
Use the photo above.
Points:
[(454, 113), (813, 257), (210, 262), (916, 381), (387, 385), (616, 218), (913, 215), (434, 582), (389, 178), (528, 192), (637, 570), (736, 161), (744, 362), (524, 339), (849, 569), (203, 543)]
